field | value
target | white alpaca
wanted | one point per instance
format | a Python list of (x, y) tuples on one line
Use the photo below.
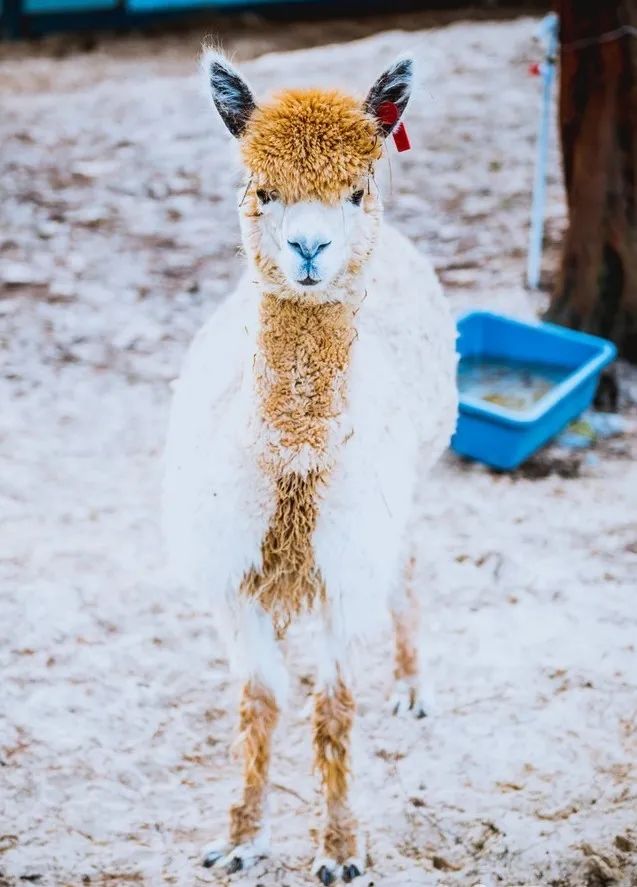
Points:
[(309, 409)]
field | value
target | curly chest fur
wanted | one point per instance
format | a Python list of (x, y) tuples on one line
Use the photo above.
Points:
[(301, 380)]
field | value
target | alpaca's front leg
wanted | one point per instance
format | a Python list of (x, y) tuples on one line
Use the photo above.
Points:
[(258, 717), (340, 850), (262, 666)]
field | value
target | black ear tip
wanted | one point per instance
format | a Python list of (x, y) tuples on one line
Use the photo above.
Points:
[(215, 64), (231, 94), (219, 73), (216, 69), (404, 67)]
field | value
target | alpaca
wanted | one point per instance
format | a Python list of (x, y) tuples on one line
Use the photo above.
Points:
[(309, 409)]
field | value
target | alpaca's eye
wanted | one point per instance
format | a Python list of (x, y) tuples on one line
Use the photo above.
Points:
[(266, 196), (356, 197)]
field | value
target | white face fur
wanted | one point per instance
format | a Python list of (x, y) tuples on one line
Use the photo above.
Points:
[(314, 245)]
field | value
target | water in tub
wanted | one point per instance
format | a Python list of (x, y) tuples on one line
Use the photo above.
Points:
[(507, 383)]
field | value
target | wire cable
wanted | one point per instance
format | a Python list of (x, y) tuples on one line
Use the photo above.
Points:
[(606, 37)]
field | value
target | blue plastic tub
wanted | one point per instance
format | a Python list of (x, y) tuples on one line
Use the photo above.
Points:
[(559, 367)]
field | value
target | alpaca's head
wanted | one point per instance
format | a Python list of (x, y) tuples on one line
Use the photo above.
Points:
[(310, 208)]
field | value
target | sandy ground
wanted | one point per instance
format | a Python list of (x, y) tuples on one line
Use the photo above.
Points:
[(117, 236)]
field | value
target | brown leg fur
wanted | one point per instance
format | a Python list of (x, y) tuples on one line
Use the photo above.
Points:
[(405, 650), (332, 727), (406, 627), (258, 717)]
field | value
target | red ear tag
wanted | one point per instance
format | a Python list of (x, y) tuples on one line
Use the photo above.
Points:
[(401, 139), (388, 114)]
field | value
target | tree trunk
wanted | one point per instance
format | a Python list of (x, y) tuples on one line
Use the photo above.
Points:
[(597, 288)]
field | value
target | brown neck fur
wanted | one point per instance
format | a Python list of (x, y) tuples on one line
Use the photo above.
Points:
[(300, 376), (305, 350)]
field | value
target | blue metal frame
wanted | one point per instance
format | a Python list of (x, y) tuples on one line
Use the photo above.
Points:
[(93, 15)]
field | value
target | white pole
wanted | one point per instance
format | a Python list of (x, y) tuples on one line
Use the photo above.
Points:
[(548, 33)]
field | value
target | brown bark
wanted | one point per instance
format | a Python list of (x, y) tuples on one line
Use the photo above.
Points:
[(597, 288)]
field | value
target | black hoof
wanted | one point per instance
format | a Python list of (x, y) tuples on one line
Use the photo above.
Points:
[(349, 873), (325, 876), (235, 865), (210, 859), (421, 713)]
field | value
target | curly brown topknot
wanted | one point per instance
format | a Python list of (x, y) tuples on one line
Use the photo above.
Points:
[(311, 144)]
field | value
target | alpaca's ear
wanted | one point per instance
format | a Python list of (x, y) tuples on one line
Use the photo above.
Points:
[(393, 87), (231, 94)]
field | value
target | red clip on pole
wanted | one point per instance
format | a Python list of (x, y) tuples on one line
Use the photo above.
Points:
[(388, 114)]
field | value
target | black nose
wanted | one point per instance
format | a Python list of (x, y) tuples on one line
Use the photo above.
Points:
[(306, 250)]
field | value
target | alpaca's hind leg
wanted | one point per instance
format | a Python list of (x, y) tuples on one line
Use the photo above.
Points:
[(262, 672), (410, 692), (341, 852)]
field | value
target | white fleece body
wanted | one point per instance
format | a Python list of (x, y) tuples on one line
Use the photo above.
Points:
[(399, 414)]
